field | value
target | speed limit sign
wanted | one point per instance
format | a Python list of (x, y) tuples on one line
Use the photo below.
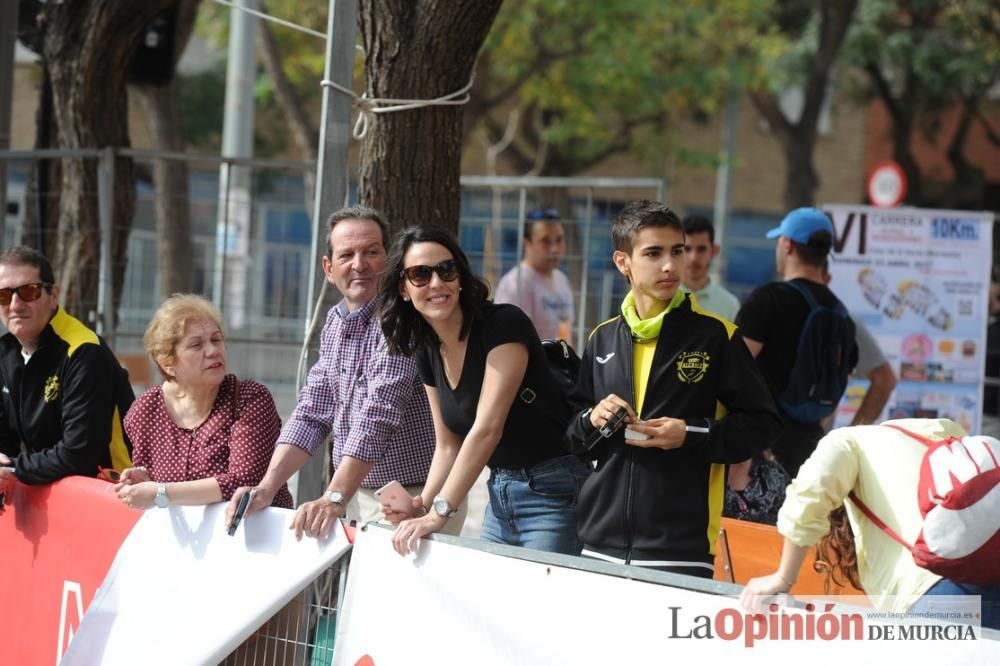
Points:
[(887, 185)]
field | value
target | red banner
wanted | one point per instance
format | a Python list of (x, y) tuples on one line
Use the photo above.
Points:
[(57, 543)]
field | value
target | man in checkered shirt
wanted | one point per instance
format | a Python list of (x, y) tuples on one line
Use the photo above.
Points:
[(372, 403)]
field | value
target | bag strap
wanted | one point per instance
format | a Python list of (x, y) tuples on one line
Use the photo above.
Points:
[(920, 438), (806, 294), (878, 521)]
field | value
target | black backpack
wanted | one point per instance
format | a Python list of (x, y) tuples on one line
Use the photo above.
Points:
[(564, 363), (825, 358), (564, 367)]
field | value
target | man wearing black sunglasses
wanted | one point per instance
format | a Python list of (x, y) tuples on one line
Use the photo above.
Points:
[(536, 285), (62, 391)]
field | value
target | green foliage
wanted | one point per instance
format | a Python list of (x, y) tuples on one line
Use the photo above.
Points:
[(600, 68), (303, 58), (932, 52), (597, 75), (202, 97)]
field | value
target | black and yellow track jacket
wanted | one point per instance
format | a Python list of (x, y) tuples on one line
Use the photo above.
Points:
[(652, 506), (66, 404)]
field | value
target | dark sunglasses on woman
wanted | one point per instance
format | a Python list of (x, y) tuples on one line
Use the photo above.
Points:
[(420, 276), (26, 292)]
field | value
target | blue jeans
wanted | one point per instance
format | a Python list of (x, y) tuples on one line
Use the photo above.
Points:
[(536, 507), (989, 596)]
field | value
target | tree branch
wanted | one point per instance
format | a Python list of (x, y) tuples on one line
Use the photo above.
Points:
[(835, 18), (884, 91), (304, 134), (991, 134), (512, 152), (767, 106)]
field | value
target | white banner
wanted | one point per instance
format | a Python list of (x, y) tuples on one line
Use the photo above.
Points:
[(919, 279), (182, 591), (455, 605)]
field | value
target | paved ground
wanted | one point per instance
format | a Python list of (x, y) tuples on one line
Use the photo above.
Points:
[(991, 426), (478, 499)]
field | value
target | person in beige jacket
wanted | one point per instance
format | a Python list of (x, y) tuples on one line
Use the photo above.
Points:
[(881, 466)]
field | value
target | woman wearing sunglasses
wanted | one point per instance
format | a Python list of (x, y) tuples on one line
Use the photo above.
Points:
[(203, 433), (492, 396)]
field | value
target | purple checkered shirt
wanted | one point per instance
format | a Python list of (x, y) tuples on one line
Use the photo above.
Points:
[(374, 402)]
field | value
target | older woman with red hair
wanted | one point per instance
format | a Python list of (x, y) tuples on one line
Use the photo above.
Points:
[(202, 433)]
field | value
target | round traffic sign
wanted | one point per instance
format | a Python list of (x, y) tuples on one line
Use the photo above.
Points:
[(887, 185)]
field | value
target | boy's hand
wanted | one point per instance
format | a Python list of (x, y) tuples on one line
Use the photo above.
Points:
[(605, 409), (664, 433)]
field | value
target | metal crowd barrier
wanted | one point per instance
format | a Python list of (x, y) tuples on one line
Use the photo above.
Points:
[(302, 633)]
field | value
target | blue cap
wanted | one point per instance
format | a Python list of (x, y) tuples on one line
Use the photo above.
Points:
[(802, 223)]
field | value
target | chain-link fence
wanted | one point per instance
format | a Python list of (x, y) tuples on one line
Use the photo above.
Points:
[(247, 239)]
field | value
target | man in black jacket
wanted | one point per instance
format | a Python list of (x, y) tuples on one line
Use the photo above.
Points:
[(694, 401), (63, 393)]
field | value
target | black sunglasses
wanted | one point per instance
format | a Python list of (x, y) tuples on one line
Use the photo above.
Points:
[(420, 276), (543, 214), (26, 292)]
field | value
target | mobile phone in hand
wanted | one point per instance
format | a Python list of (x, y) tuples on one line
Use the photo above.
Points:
[(614, 423), (395, 496), (241, 510)]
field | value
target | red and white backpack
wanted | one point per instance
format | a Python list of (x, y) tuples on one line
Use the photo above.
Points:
[(959, 498)]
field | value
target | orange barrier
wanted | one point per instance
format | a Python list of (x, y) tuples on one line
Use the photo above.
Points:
[(57, 543), (755, 550)]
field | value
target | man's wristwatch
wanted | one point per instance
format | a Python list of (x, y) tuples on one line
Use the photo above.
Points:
[(336, 497), (443, 507), (161, 500)]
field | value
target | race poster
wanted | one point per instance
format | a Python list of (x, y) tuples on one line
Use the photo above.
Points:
[(919, 280)]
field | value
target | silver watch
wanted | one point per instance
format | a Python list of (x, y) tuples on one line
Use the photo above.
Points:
[(161, 500), (336, 497), (443, 507)]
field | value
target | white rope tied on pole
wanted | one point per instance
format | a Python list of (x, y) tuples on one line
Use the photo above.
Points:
[(273, 19), (369, 106)]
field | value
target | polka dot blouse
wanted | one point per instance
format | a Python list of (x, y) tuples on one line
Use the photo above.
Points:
[(233, 445)]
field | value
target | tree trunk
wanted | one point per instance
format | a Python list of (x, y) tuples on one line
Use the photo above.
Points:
[(801, 180), (174, 248), (87, 46), (171, 199), (902, 136), (411, 160), (40, 196), (798, 135)]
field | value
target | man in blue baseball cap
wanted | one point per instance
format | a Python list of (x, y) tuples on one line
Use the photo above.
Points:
[(773, 321)]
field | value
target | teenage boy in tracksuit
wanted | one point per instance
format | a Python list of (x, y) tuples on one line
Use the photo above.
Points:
[(689, 386)]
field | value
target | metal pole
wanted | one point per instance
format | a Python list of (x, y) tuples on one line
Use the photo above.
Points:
[(8, 40), (233, 224), (723, 175), (334, 130), (105, 212), (222, 236), (581, 318), (331, 180), (522, 210)]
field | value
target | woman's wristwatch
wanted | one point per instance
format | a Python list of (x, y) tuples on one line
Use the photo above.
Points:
[(443, 507), (161, 500)]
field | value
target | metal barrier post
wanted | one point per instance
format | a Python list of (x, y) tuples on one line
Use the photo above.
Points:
[(581, 318), (105, 212)]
